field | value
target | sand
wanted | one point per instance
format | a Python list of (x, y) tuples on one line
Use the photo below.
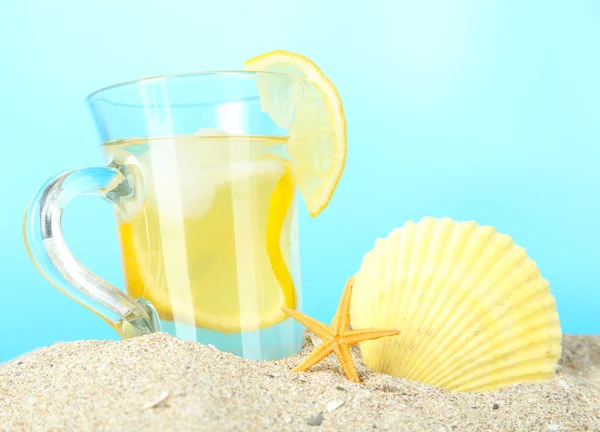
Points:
[(157, 382)]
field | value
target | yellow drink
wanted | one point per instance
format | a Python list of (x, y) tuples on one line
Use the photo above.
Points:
[(212, 245)]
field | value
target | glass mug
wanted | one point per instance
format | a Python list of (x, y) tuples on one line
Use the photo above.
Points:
[(205, 207)]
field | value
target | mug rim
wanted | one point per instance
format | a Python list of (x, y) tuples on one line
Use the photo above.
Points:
[(188, 75)]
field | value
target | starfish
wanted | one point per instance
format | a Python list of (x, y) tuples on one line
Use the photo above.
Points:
[(337, 337)]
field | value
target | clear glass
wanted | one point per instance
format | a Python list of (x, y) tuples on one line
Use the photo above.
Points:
[(196, 168)]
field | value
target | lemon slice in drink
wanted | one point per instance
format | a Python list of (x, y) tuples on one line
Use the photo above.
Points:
[(318, 130), (199, 285)]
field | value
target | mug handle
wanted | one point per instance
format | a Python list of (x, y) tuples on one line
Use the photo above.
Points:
[(47, 248)]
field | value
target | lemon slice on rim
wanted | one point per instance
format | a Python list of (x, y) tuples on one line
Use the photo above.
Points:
[(318, 131)]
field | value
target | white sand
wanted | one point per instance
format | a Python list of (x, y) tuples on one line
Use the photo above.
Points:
[(160, 383)]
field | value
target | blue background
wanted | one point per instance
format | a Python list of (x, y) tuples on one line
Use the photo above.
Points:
[(475, 110)]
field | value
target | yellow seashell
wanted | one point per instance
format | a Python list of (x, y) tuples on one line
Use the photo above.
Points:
[(473, 311)]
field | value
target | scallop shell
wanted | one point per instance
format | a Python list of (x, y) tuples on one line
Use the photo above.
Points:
[(473, 310)]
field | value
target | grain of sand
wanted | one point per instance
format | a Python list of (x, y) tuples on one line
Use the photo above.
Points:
[(159, 383)]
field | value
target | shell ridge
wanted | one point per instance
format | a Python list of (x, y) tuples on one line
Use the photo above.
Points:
[(393, 343), (386, 265), (505, 357), (521, 321), (505, 382), (484, 299), (441, 341), (403, 253), (420, 258), (358, 302), (441, 235), (370, 290), (408, 295), (486, 381), (461, 239)]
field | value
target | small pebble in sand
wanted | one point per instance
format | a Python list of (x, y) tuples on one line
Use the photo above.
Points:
[(164, 395), (316, 420), (333, 405)]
